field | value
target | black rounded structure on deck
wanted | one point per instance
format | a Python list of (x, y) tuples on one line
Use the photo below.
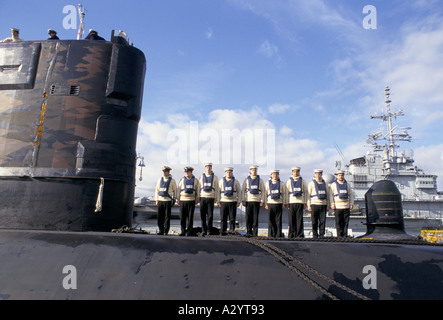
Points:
[(384, 212)]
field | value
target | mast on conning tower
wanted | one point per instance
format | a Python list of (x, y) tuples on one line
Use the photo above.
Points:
[(390, 136), (81, 28)]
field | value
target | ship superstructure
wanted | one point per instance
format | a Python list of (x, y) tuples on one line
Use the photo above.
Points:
[(418, 189)]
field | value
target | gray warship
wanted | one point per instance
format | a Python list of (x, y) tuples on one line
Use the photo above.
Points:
[(418, 189), (69, 117)]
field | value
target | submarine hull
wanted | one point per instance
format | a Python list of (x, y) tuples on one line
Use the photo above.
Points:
[(69, 113), (133, 266)]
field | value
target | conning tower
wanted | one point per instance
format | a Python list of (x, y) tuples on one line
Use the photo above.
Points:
[(69, 113)]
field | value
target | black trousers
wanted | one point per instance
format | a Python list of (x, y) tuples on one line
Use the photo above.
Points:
[(228, 209), (187, 216), (342, 222), (296, 220), (207, 211), (164, 216), (251, 213), (275, 220), (318, 218)]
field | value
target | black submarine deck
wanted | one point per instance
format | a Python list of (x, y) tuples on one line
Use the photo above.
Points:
[(111, 266)]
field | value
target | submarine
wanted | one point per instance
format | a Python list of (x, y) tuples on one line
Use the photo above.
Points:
[(69, 119)]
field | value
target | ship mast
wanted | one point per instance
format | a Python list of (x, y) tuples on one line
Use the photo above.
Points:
[(390, 136)]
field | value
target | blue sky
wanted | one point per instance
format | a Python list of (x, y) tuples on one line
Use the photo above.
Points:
[(302, 75)]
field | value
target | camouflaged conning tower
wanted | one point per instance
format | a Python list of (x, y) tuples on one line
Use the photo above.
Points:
[(69, 113)]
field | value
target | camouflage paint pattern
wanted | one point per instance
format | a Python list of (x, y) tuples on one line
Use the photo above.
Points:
[(69, 113)]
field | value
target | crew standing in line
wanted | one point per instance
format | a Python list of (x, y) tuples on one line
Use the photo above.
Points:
[(229, 197), (342, 202), (297, 200), (275, 203), (165, 195), (253, 194), (318, 203), (14, 36), (188, 197), (208, 197)]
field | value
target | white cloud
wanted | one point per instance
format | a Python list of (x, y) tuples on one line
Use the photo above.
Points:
[(278, 108), (226, 137), (286, 131)]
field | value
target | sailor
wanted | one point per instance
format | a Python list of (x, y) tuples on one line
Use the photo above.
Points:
[(297, 200), (52, 35), (165, 195), (275, 202), (318, 203), (208, 197), (93, 35), (253, 194), (229, 198), (342, 202), (14, 36), (188, 197)]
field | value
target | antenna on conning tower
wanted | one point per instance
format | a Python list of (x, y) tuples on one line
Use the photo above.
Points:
[(81, 28), (390, 136)]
